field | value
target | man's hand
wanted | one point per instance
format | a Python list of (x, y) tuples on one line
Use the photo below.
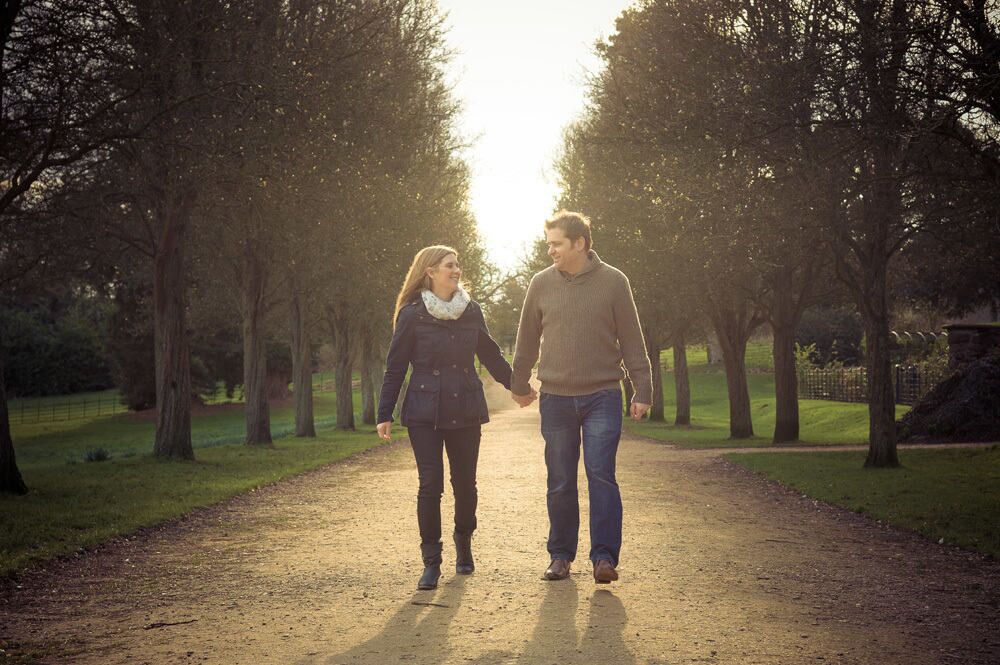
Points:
[(385, 430), (525, 400), (638, 410)]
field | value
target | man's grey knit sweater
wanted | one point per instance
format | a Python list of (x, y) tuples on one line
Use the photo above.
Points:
[(585, 326)]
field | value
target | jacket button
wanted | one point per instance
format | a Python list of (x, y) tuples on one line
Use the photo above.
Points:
[(454, 366), (465, 369), (436, 372), (456, 394), (421, 385), (453, 422)]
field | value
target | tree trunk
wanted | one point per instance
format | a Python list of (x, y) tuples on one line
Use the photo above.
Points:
[(882, 210), (786, 386), (11, 481), (343, 369), (367, 382), (740, 419), (681, 382), (173, 355), (377, 374), (656, 409), (305, 424), (733, 326), (784, 319), (881, 401), (255, 385)]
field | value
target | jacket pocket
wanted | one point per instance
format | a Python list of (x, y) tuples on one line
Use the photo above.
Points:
[(420, 407), (475, 398)]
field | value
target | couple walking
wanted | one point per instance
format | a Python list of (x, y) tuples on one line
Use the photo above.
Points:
[(580, 323)]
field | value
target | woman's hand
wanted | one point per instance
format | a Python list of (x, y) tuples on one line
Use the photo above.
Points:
[(525, 400), (385, 430)]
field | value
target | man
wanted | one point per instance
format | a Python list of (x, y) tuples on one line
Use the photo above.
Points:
[(580, 311)]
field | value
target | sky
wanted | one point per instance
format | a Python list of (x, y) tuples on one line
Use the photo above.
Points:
[(520, 70)]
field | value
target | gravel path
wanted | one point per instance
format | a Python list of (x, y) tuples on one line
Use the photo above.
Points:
[(718, 566)]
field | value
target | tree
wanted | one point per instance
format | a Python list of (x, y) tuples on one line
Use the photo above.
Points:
[(870, 76), (57, 113), (667, 98), (959, 161), (154, 192), (398, 162)]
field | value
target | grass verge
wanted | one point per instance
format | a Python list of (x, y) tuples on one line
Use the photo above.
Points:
[(820, 422), (74, 503), (951, 494)]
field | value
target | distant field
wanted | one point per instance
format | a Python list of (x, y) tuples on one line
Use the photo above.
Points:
[(759, 357), (105, 402)]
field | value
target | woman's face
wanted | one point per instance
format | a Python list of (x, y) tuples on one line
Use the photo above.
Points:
[(445, 275)]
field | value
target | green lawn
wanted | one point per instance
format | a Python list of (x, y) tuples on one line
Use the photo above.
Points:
[(65, 407), (820, 422), (74, 503), (952, 494), (107, 402)]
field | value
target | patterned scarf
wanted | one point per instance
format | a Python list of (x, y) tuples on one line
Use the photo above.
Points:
[(448, 310)]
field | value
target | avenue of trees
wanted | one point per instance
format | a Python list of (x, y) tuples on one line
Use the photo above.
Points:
[(225, 186), (248, 179), (744, 160)]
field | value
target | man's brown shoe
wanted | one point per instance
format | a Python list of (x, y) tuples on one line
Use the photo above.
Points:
[(557, 570), (604, 572)]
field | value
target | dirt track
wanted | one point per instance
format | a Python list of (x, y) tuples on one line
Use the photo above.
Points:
[(718, 566)]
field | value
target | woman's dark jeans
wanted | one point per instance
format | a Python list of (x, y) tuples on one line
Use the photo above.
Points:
[(463, 455), (597, 420)]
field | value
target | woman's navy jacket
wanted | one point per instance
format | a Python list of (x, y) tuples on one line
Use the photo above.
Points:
[(444, 390)]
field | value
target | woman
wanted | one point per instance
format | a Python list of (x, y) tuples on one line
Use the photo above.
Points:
[(439, 330)]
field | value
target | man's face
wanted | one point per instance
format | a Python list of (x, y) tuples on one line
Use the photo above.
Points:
[(564, 253)]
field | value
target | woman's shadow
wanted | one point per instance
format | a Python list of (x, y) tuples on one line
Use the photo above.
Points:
[(417, 632)]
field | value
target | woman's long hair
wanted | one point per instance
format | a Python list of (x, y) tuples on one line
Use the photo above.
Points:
[(416, 277)]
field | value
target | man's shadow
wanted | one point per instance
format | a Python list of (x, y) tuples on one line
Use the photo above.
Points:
[(556, 639), (604, 640), (418, 631)]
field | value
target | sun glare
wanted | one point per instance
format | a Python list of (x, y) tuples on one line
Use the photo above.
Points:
[(520, 70)]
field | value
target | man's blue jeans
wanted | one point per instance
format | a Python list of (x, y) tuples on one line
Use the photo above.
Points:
[(598, 417)]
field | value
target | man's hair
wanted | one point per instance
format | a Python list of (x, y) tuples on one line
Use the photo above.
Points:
[(574, 224)]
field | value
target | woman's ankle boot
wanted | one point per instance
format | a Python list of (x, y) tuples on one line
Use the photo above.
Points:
[(429, 580), (464, 564)]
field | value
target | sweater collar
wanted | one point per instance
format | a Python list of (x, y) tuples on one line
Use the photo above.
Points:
[(593, 263)]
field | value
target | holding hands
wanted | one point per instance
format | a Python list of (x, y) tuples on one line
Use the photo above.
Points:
[(525, 400)]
